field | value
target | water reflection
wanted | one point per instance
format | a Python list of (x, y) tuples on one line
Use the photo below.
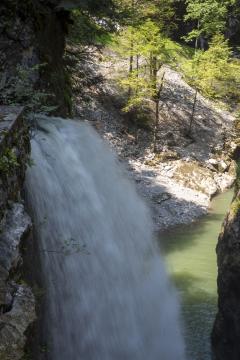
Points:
[(191, 260)]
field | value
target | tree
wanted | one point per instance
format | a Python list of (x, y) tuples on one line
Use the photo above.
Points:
[(145, 81), (210, 18), (159, 12), (92, 21), (214, 72), (212, 66)]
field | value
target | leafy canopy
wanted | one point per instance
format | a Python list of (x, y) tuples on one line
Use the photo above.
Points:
[(147, 42), (210, 16), (214, 72)]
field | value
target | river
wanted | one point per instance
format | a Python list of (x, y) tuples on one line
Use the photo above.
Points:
[(191, 260)]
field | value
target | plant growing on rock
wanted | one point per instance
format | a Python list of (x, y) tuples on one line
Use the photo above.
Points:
[(8, 161), (20, 90)]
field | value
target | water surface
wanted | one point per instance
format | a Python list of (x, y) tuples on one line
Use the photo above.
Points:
[(191, 260)]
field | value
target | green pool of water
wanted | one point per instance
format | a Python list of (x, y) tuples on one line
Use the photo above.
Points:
[(191, 260)]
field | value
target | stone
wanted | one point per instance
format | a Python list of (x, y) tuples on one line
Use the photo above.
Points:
[(17, 302), (159, 198), (14, 323), (223, 166), (224, 181), (213, 162), (195, 177)]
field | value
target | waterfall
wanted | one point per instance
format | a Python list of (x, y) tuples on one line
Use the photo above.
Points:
[(107, 294)]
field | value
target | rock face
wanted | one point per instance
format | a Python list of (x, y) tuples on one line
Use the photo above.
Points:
[(32, 33), (17, 305), (14, 153), (226, 332)]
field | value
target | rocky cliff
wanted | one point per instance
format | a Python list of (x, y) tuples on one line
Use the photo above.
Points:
[(32, 43), (226, 332), (33, 33), (17, 305)]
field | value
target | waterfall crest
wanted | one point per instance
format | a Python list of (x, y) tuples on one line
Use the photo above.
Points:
[(107, 293)]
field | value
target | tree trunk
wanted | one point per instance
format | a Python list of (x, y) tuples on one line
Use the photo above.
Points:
[(137, 69), (161, 85), (130, 67), (157, 99), (154, 73), (196, 92), (131, 51), (193, 112), (131, 58), (137, 64), (150, 67), (156, 125), (197, 38)]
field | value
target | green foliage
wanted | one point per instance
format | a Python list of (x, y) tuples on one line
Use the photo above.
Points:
[(238, 175), (87, 30), (141, 90), (137, 12), (19, 90), (235, 207), (153, 50), (95, 7), (8, 161), (213, 72), (210, 17)]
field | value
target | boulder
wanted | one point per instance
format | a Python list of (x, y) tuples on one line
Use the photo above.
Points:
[(196, 177)]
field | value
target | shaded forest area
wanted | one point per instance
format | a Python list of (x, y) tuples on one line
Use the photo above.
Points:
[(205, 34)]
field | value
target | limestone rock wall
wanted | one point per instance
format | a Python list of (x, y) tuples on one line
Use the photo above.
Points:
[(32, 32), (226, 332), (17, 304)]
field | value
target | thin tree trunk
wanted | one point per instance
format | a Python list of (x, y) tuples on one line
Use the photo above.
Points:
[(156, 125), (161, 85), (137, 64), (193, 113), (137, 69), (154, 73), (197, 38), (131, 52), (196, 92), (150, 67), (157, 99), (130, 67), (131, 59), (196, 44)]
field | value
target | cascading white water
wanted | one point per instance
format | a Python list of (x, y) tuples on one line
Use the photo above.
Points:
[(107, 293)]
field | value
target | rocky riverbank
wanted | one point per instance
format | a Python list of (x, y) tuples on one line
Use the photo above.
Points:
[(187, 171)]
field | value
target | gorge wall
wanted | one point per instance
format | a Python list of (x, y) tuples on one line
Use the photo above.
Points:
[(226, 332), (17, 304), (33, 33), (32, 43)]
